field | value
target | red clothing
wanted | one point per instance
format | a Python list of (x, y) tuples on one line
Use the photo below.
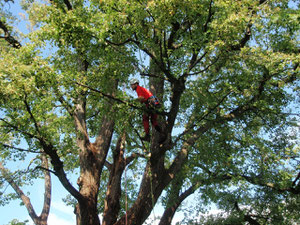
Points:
[(146, 94), (143, 92)]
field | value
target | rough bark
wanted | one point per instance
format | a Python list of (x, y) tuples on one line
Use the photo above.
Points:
[(113, 193), (169, 212), (92, 157)]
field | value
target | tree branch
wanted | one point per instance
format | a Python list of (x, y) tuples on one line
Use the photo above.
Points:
[(20, 193), (260, 182), (17, 148), (36, 125), (176, 201), (122, 101), (11, 40), (47, 195), (247, 218), (21, 131), (209, 18)]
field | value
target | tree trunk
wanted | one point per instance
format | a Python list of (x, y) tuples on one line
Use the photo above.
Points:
[(113, 193), (153, 183)]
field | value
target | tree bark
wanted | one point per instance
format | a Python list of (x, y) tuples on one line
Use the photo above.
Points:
[(113, 193), (38, 220)]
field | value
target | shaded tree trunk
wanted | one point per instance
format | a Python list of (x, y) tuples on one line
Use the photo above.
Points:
[(113, 193)]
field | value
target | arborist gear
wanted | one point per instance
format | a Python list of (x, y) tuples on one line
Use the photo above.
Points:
[(153, 101), (134, 81), (146, 97)]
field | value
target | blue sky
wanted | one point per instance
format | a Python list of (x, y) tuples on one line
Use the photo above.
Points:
[(60, 213)]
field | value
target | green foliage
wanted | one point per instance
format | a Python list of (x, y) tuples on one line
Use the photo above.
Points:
[(237, 93), (17, 222)]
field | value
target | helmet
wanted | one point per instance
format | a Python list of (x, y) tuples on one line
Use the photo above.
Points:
[(134, 81)]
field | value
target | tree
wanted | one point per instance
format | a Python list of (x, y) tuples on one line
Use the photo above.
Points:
[(225, 71), (16, 183)]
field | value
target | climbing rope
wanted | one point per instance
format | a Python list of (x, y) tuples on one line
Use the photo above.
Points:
[(126, 203)]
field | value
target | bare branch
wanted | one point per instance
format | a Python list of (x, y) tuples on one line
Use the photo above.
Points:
[(45, 169), (19, 149)]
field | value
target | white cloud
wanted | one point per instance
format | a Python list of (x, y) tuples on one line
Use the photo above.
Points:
[(62, 207), (54, 220)]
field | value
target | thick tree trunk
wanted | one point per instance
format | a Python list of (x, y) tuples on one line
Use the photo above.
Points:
[(113, 193), (88, 182), (92, 157), (153, 183), (86, 213)]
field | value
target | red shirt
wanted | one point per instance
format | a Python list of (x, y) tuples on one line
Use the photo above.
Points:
[(143, 92)]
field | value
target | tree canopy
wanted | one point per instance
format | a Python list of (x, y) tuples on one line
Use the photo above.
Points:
[(226, 73)]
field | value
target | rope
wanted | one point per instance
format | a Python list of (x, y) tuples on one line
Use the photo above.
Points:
[(126, 203), (151, 184), (152, 195)]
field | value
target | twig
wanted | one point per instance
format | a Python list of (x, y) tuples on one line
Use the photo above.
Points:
[(19, 149)]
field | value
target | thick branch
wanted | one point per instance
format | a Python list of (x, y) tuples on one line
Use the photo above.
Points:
[(47, 195), (169, 212), (113, 194), (11, 40), (260, 182), (20, 193), (58, 168), (66, 2), (247, 33), (176, 201)]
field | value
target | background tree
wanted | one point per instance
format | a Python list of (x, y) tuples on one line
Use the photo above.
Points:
[(226, 73)]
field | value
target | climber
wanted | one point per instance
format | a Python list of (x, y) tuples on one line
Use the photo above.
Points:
[(146, 97)]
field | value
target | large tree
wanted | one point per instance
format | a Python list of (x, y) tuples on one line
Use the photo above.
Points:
[(226, 73)]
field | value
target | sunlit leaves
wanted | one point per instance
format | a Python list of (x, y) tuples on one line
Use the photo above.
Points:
[(237, 60)]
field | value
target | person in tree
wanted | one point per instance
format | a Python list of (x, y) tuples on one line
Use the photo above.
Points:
[(146, 97)]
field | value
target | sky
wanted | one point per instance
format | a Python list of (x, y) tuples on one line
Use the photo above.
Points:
[(59, 213)]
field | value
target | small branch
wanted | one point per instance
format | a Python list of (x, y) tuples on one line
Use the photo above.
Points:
[(258, 181), (20, 193), (36, 125), (138, 134), (17, 148), (17, 129), (297, 178), (247, 218), (45, 169), (205, 69), (194, 61), (121, 101), (210, 14), (132, 157), (187, 130), (117, 44), (152, 75)]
